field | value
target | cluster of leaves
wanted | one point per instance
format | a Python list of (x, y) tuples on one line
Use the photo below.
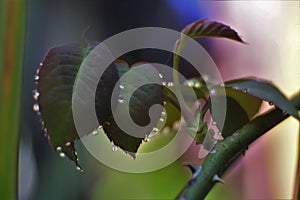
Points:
[(59, 68)]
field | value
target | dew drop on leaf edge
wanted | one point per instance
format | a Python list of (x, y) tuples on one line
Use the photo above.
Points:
[(36, 107), (114, 148), (121, 86), (35, 94), (36, 77), (120, 99), (62, 155), (160, 75), (95, 132)]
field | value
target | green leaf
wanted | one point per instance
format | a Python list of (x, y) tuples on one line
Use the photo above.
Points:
[(139, 105), (241, 108), (264, 90), (56, 78), (203, 28)]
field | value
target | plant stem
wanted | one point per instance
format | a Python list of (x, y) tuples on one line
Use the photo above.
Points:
[(12, 26), (228, 149)]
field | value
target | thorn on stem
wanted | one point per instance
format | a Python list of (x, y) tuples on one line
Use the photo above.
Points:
[(216, 178), (192, 167)]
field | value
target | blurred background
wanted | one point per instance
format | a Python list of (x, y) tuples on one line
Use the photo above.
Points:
[(271, 29)]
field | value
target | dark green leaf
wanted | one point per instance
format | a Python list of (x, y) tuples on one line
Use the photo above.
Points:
[(264, 90), (241, 107), (139, 105), (55, 84), (203, 28), (56, 79)]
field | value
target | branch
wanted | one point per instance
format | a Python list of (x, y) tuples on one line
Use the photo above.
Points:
[(227, 150), (12, 32)]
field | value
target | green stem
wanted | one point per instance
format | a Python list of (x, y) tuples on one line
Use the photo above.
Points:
[(12, 26), (228, 149), (185, 110)]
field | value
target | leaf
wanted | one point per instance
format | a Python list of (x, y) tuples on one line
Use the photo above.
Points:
[(203, 28), (241, 108), (139, 105), (56, 78), (266, 91)]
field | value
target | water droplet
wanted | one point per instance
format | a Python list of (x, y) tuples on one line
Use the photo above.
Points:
[(132, 155), (146, 139), (213, 151), (197, 85), (245, 90), (161, 119), (95, 132), (160, 75), (121, 86), (58, 148), (213, 92), (79, 169), (132, 158), (35, 94), (62, 155), (271, 103), (163, 113), (214, 123), (114, 148), (155, 130), (41, 64), (121, 99), (36, 77), (189, 83), (164, 83), (68, 144), (284, 112), (36, 107), (75, 153), (170, 84)]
